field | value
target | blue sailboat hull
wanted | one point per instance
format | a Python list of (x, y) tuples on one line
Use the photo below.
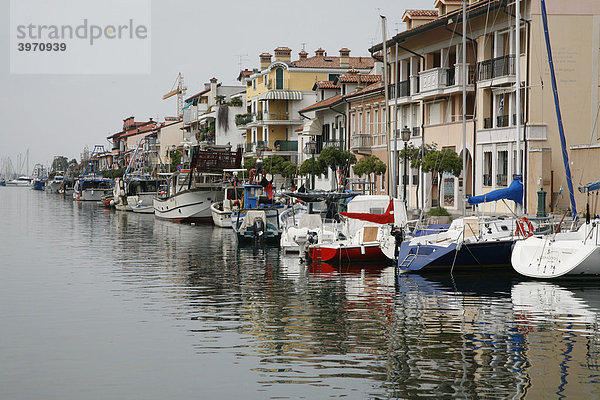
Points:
[(413, 257)]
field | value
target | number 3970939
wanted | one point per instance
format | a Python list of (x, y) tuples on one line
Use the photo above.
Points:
[(41, 46)]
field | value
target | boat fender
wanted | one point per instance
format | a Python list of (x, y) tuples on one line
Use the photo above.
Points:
[(524, 227)]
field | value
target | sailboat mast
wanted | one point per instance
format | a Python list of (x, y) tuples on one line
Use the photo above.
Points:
[(563, 142), (464, 107), (518, 86), (391, 170)]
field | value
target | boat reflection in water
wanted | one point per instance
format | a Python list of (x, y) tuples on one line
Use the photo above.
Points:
[(560, 329)]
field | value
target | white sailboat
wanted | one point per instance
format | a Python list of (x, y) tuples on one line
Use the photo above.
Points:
[(561, 253), (575, 252)]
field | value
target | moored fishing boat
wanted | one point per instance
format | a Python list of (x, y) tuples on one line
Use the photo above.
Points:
[(92, 187), (141, 181), (189, 193), (256, 227)]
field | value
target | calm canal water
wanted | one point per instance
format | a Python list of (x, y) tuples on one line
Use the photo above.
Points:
[(97, 304)]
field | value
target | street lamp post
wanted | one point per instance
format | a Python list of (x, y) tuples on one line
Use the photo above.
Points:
[(405, 138), (311, 148)]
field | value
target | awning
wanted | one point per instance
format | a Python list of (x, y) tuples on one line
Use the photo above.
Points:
[(281, 95), (590, 187), (313, 127)]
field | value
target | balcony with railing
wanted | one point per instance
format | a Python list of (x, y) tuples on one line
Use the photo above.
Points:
[(253, 147), (488, 123), (432, 79), (487, 179), (361, 142), (286, 145), (450, 75), (444, 80), (502, 121), (243, 119), (334, 143), (399, 89), (501, 180), (496, 67)]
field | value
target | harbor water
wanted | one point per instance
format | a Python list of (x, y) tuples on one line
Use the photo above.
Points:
[(98, 304)]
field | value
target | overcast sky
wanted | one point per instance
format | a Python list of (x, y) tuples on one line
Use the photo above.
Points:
[(60, 114)]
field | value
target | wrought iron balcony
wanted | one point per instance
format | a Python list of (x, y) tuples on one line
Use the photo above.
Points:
[(496, 67), (334, 143), (399, 89), (488, 123), (501, 180), (502, 121), (487, 179)]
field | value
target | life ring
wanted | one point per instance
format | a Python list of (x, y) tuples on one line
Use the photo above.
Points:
[(524, 227)]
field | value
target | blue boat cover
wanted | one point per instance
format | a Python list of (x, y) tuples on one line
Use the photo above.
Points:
[(514, 192), (590, 187)]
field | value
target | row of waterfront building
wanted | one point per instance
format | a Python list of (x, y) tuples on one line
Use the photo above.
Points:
[(294, 106)]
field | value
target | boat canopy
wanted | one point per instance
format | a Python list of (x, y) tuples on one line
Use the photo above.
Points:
[(590, 187), (318, 197), (385, 218), (514, 192)]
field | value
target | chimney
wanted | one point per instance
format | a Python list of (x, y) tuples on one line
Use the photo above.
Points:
[(127, 122), (344, 57), (320, 52), (303, 54), (213, 91), (207, 86), (265, 60), (283, 54)]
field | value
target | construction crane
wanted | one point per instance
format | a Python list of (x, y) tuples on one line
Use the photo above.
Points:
[(180, 92)]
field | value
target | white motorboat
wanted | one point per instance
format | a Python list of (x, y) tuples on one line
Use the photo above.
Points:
[(55, 182), (221, 210), (23, 181), (312, 223), (368, 226)]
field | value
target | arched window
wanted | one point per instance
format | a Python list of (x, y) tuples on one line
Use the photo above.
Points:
[(279, 78)]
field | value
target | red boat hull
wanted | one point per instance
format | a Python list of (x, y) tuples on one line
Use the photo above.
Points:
[(346, 254)]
